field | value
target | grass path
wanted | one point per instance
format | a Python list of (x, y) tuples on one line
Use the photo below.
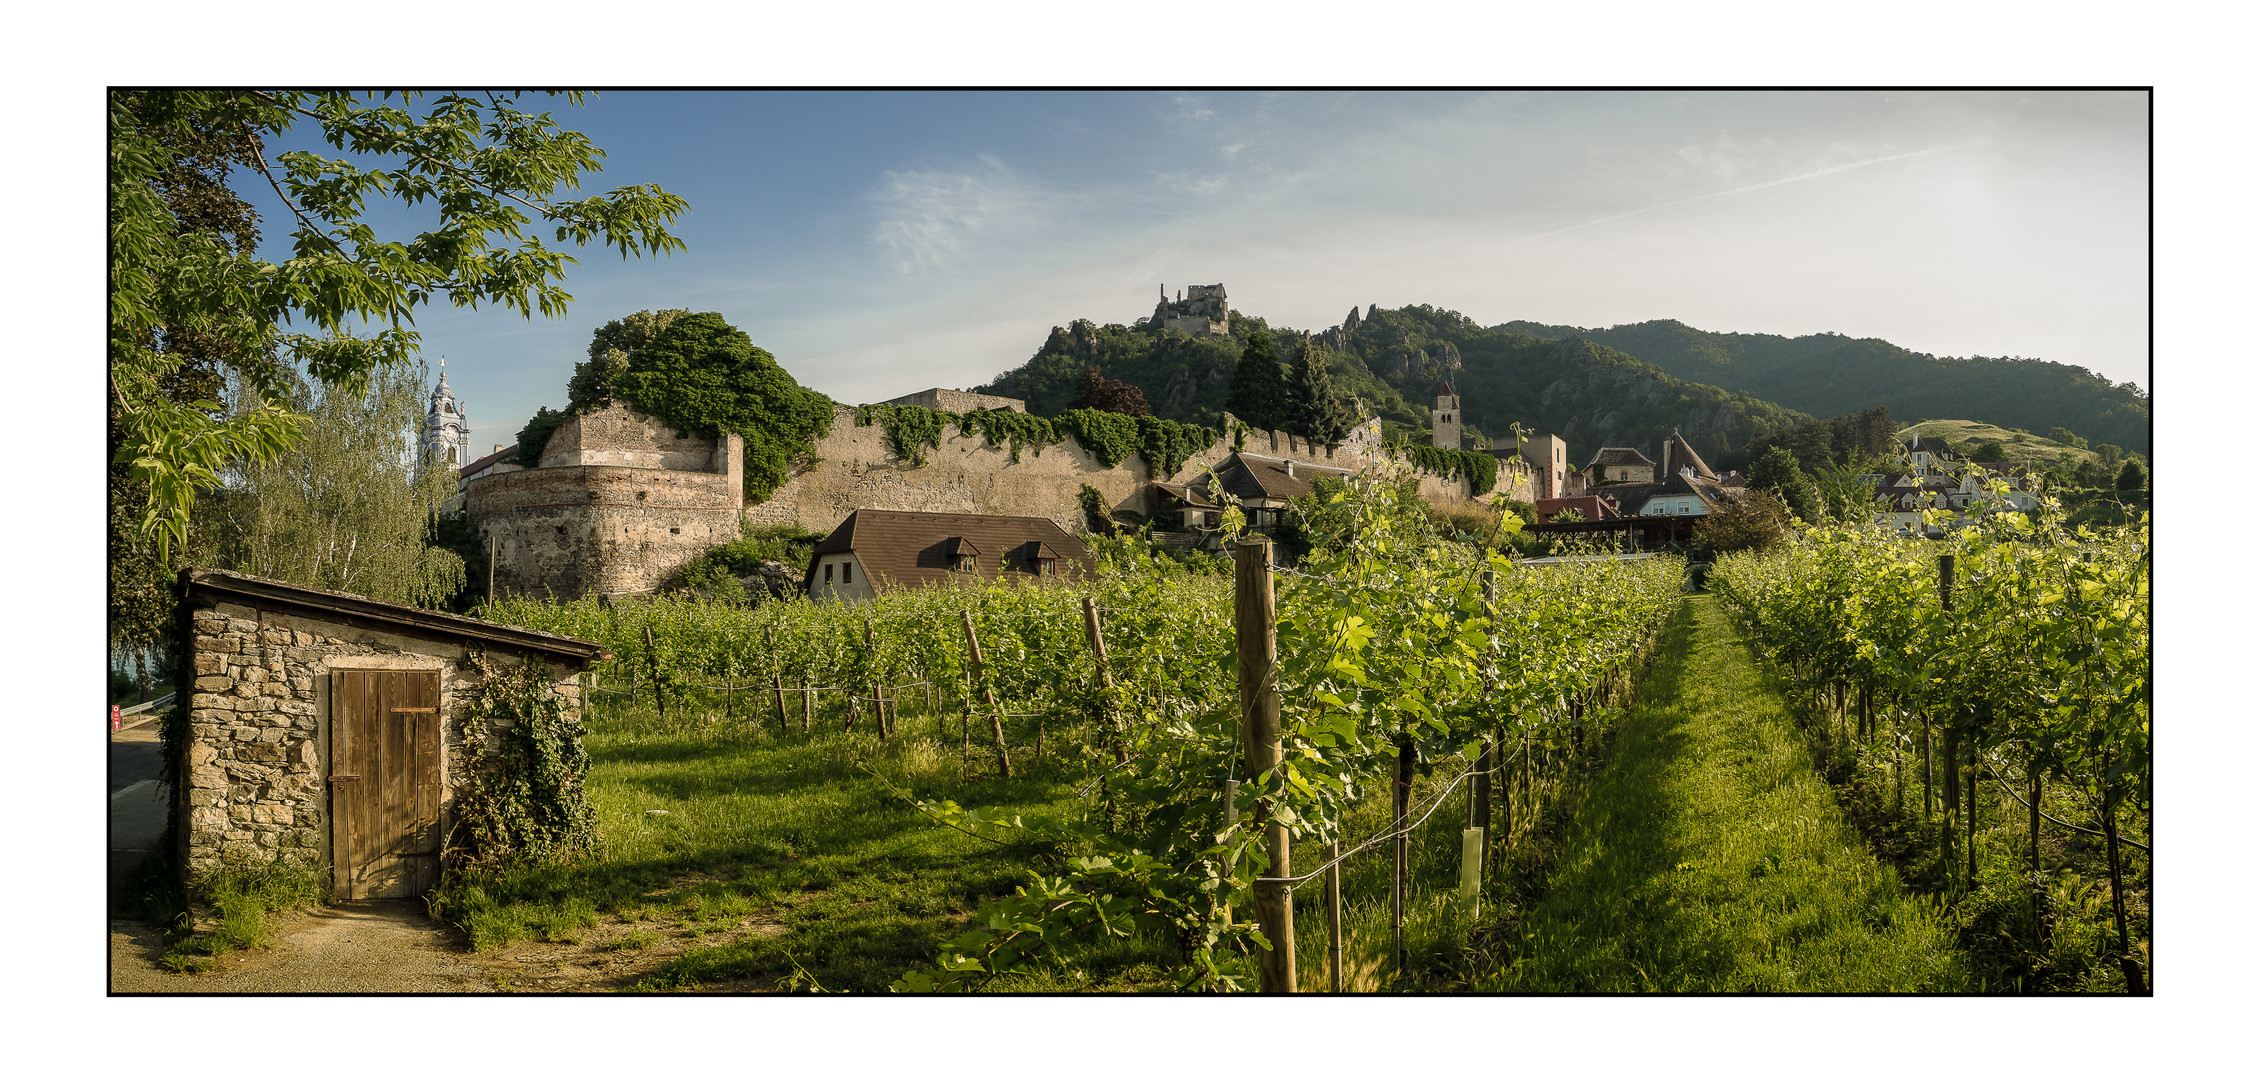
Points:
[(1709, 856)]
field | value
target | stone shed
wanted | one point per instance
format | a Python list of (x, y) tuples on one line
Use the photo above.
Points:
[(330, 728)]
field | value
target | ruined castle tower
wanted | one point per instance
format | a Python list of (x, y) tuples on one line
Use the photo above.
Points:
[(446, 438), (1448, 418)]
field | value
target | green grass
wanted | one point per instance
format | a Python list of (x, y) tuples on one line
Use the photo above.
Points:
[(247, 901), (787, 826), (1710, 856)]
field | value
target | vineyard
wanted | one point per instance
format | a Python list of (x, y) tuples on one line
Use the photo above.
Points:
[(1408, 676), (1985, 706)]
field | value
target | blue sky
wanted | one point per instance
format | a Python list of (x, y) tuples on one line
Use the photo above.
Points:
[(879, 243)]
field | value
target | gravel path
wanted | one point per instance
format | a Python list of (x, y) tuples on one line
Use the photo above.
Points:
[(373, 947)]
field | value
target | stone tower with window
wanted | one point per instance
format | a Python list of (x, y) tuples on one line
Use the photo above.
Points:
[(446, 438), (1448, 418)]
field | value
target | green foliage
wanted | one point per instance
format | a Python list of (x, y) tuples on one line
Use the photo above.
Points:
[(2132, 477), (1477, 466), (1018, 430), (2061, 435), (528, 801), (347, 507), (610, 354), (1828, 374), (1778, 472), (176, 266), (1988, 453), (1754, 521), (1257, 391), (1317, 411), (247, 900), (1818, 443), (702, 375), (532, 439), (1164, 444), (720, 567), (913, 431)]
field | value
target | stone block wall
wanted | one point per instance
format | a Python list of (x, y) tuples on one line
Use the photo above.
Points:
[(254, 783), (957, 401)]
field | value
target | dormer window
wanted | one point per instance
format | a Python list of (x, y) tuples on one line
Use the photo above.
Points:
[(1038, 559), (962, 555)]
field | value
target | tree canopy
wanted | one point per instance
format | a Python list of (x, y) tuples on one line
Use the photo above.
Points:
[(1257, 392), (487, 168), (1777, 472), (702, 375), (1317, 411), (1109, 395), (608, 354)]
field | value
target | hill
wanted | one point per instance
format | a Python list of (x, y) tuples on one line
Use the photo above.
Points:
[(1830, 374), (1395, 361), (2019, 446)]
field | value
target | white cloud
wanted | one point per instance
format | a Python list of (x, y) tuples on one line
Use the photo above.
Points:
[(929, 220)]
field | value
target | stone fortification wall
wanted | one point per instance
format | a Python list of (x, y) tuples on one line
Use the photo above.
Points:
[(957, 401), (619, 504), (259, 723), (854, 467)]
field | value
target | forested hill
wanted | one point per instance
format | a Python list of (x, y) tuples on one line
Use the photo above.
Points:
[(1829, 374), (1395, 359)]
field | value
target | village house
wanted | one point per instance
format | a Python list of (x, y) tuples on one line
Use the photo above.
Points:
[(1262, 484), (875, 551), (1619, 465)]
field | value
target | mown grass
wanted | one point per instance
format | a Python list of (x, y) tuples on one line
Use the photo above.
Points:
[(1709, 856), (704, 822)]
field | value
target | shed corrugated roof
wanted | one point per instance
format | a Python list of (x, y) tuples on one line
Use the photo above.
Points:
[(911, 548)]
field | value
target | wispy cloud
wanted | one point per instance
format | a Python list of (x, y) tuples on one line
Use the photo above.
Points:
[(927, 220), (1793, 179)]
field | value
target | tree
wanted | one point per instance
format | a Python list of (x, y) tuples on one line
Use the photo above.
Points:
[(1258, 394), (702, 375), (348, 506), (2068, 438), (1108, 395), (1988, 453), (1317, 412), (2132, 477), (1777, 472), (2107, 454), (1844, 495), (608, 355), (1752, 521), (191, 186), (485, 167)]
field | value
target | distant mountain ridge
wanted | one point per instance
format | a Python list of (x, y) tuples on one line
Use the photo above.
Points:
[(1831, 374)]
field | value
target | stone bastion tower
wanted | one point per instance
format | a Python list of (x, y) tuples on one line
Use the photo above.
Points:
[(618, 503)]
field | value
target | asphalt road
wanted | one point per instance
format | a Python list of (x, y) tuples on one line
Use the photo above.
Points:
[(137, 803)]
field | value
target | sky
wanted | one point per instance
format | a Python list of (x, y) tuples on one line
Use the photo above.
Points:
[(879, 243)]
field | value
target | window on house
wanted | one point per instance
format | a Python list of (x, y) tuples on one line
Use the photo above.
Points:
[(849, 573), (827, 570)]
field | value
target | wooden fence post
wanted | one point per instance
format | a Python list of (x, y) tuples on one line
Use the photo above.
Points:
[(1482, 786), (1404, 774), (1115, 724), (1333, 894), (782, 718), (1263, 745), (1949, 745), (986, 689)]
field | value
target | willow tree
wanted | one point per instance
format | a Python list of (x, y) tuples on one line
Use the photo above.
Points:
[(348, 506)]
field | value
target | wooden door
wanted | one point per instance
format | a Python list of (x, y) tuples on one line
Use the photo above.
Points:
[(383, 782)]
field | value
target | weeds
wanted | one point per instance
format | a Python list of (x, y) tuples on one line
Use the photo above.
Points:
[(247, 900)]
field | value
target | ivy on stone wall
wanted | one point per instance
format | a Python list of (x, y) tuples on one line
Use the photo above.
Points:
[(1017, 429), (529, 801), (1473, 465), (912, 431), (1164, 444)]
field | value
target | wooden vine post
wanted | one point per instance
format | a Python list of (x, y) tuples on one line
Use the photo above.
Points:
[(655, 683), (1948, 735), (986, 689), (1263, 754), (1115, 723), (782, 717), (1404, 775), (1482, 784), (877, 694)]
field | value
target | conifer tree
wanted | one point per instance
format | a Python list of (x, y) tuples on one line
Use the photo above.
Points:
[(1317, 412), (1258, 394)]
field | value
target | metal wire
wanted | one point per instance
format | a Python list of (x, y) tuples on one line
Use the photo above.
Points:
[(2062, 824), (1431, 807)]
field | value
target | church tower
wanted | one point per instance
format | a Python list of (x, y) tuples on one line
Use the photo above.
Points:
[(1448, 418), (446, 438)]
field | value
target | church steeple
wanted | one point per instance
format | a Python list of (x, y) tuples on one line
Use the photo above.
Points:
[(446, 437)]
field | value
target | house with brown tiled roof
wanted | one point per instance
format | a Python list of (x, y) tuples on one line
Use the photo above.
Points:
[(1262, 484), (875, 551), (1590, 507)]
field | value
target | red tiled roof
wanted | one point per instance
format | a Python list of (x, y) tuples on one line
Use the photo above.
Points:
[(1590, 507)]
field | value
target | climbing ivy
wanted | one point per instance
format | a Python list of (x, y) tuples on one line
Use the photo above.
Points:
[(528, 801), (1164, 444), (1018, 429), (1473, 465), (911, 430)]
